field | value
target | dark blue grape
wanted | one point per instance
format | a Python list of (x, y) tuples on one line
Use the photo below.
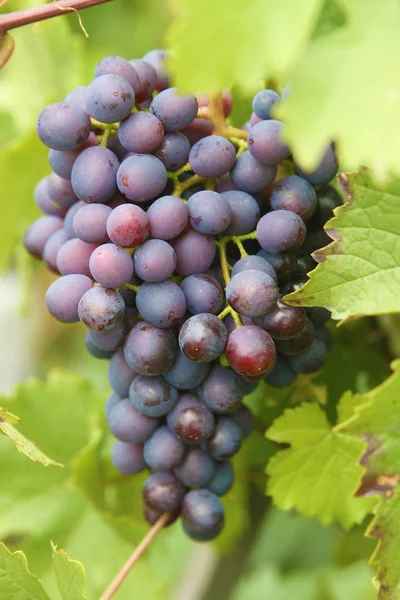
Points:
[(195, 252), (109, 98), (299, 343), (243, 418), (120, 374), (111, 266), (152, 396), (266, 143), (129, 425), (150, 350), (141, 132), (245, 212), (281, 375), (209, 212), (112, 400), (115, 65), (327, 200), (252, 293), (90, 223), (256, 263), (202, 338), (222, 480), (38, 234), (161, 304), (155, 261), (109, 340), (283, 321), (212, 156), (225, 440), (168, 216), (202, 515), (185, 374), (101, 309), (152, 516), (64, 295), (196, 469), (163, 451), (128, 458), (250, 351), (284, 264), (311, 360), (94, 175), (147, 78), (173, 151), (174, 110), (141, 177), (127, 226), (163, 492), (325, 171), (251, 176), (203, 293), (317, 314), (63, 126), (263, 103), (51, 248), (157, 59), (221, 390), (94, 350), (73, 257), (281, 231), (295, 194), (190, 420), (60, 191)]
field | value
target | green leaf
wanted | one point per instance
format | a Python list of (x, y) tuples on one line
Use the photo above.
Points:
[(8, 417), (301, 586), (320, 472), (26, 446), (260, 38), (359, 272), (16, 581), (70, 575)]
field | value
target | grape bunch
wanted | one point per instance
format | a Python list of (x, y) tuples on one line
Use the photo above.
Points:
[(176, 237)]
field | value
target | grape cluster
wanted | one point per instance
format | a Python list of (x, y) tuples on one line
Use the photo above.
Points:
[(176, 236)]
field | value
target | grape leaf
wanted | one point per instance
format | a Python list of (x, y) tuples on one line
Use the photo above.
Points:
[(320, 472), (359, 272), (16, 581), (26, 446), (70, 575), (260, 38), (8, 417)]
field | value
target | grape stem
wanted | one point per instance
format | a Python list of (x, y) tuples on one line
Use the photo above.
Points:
[(182, 186), (134, 557), (132, 287), (106, 134), (221, 244)]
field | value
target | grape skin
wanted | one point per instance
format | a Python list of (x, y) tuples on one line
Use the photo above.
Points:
[(190, 420), (111, 266), (94, 350), (250, 350), (222, 480), (157, 59), (221, 390), (173, 151), (64, 295), (109, 98), (283, 321), (128, 458), (116, 65), (209, 212), (196, 469), (90, 223), (127, 226), (194, 252), (281, 375), (38, 234), (244, 419), (150, 350), (163, 451), (245, 212), (101, 309), (202, 338), (325, 170), (63, 126), (281, 231), (60, 191), (147, 78), (186, 374), (141, 177), (202, 515), (266, 144), (174, 110), (226, 439), (120, 374), (73, 257), (251, 293), (44, 202), (141, 132), (203, 294), (154, 260), (256, 263), (51, 248), (263, 103), (212, 156), (248, 175), (161, 304), (152, 396), (168, 217), (129, 425), (295, 194), (94, 175)]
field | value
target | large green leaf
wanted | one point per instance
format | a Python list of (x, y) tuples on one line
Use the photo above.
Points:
[(359, 272), (16, 581)]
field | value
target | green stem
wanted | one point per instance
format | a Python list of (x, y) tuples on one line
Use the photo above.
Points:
[(221, 244), (182, 186), (107, 132), (224, 313), (176, 174), (242, 249), (132, 287)]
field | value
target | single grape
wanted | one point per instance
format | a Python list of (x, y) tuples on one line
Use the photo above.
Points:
[(222, 480), (127, 226), (63, 296), (245, 212), (296, 194), (195, 252), (90, 223), (224, 183), (266, 144), (251, 176), (63, 126), (281, 375), (115, 65), (94, 175), (111, 266), (283, 264), (141, 132), (44, 202), (73, 257), (69, 219), (62, 161), (157, 59), (141, 177), (263, 103), (77, 97), (168, 216), (318, 315), (128, 458), (254, 119), (154, 261), (94, 350), (163, 492), (147, 78), (38, 234), (129, 425), (197, 130), (120, 374), (163, 451), (250, 350), (196, 469), (161, 304), (254, 262), (310, 360), (202, 338), (327, 200), (185, 374), (108, 340), (190, 420), (212, 156), (101, 309), (221, 390), (281, 231), (174, 110), (202, 514), (203, 294), (209, 212), (173, 151), (226, 439), (325, 171), (299, 343), (109, 98), (60, 191), (152, 396), (150, 350), (51, 248), (112, 400), (283, 321), (252, 293), (243, 418)]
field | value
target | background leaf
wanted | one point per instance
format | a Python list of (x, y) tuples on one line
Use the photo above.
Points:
[(16, 581), (70, 575)]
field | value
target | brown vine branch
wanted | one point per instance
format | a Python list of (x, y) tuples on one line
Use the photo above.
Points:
[(45, 11), (134, 557)]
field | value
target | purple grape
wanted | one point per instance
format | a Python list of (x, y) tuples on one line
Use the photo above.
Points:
[(221, 390), (174, 110), (195, 252), (163, 492), (245, 212), (64, 295), (196, 469), (62, 161), (251, 293), (173, 151), (112, 400), (129, 425), (152, 396), (190, 420), (120, 374), (77, 97), (109, 98), (60, 191), (283, 321), (281, 231), (155, 260), (212, 156), (63, 126), (325, 171), (73, 257), (185, 374), (301, 342), (283, 264), (150, 350), (202, 515), (250, 351), (38, 234), (163, 451), (127, 226), (222, 480), (44, 202), (203, 294), (95, 351), (111, 266), (141, 177), (147, 78), (248, 175), (263, 103), (94, 175), (128, 458), (310, 360), (51, 248), (243, 418), (327, 200), (90, 223), (256, 263), (101, 309), (141, 132), (161, 304), (109, 340), (281, 375), (202, 338), (209, 212), (295, 194), (115, 65), (168, 216), (197, 130), (224, 183), (157, 59), (69, 219), (226, 439), (266, 144)]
